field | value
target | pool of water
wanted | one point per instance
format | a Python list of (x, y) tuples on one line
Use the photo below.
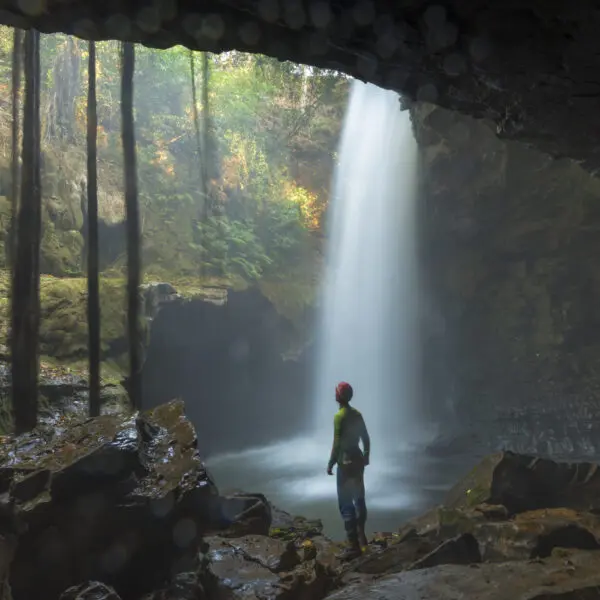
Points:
[(293, 476)]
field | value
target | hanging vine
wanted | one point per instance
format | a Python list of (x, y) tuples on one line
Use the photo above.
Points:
[(26, 268)]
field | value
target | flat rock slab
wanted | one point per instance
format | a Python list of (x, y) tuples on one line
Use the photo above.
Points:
[(245, 579), (260, 567), (574, 576)]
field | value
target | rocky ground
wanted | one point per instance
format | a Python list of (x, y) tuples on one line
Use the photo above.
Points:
[(122, 507)]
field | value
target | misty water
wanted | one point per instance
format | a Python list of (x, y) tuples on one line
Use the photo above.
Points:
[(367, 336)]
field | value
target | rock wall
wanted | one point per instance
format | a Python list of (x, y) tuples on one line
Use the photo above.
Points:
[(509, 239), (64, 225), (223, 352)]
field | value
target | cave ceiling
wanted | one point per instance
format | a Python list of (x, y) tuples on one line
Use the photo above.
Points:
[(531, 67)]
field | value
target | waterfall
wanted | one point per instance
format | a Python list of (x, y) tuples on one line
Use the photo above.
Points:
[(367, 332), (368, 329)]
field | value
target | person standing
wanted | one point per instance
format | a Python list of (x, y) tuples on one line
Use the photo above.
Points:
[(349, 430)]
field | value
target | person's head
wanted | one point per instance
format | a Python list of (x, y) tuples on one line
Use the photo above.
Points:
[(343, 392)]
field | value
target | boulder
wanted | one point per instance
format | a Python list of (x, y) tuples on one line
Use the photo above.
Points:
[(184, 586), (245, 514), (260, 567), (522, 483), (118, 500), (566, 578), (460, 550), (506, 524), (92, 590)]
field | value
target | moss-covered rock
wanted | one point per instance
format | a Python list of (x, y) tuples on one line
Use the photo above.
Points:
[(63, 326)]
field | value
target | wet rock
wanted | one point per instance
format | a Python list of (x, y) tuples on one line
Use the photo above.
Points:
[(112, 499), (521, 483), (256, 567), (245, 514), (8, 543), (243, 578), (461, 550), (185, 586), (275, 555), (63, 398), (492, 511), (576, 578), (293, 527), (465, 535), (396, 555), (155, 295), (537, 533), (93, 590)]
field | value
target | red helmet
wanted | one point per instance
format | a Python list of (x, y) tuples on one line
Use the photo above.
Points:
[(343, 392)]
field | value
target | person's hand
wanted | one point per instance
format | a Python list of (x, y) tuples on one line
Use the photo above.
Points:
[(329, 470)]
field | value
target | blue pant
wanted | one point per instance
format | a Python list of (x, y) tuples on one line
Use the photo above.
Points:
[(351, 498)]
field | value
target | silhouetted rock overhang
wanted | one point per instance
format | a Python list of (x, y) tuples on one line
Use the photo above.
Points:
[(532, 67)]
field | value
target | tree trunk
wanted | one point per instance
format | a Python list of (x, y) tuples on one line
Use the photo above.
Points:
[(207, 157), (133, 223), (201, 156), (26, 278), (92, 239), (65, 87), (10, 250)]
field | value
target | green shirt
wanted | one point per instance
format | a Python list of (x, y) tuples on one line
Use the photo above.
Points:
[(348, 430)]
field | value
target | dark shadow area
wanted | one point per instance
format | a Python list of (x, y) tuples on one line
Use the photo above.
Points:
[(569, 536), (225, 362)]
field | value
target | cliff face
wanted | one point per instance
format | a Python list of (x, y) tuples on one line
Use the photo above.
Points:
[(509, 244), (222, 352)]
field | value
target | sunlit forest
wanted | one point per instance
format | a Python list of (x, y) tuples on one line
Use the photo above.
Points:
[(235, 156), (254, 210)]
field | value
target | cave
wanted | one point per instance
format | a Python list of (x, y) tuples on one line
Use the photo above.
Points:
[(527, 73), (225, 360), (530, 67)]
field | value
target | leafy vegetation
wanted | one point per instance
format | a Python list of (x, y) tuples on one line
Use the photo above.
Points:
[(270, 132)]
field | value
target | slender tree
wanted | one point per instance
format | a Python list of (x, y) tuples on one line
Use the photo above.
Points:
[(201, 156), (92, 238), (133, 223), (206, 165), (26, 278), (14, 197)]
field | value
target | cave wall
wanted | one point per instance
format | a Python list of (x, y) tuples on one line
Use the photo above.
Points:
[(530, 66), (223, 357), (509, 246)]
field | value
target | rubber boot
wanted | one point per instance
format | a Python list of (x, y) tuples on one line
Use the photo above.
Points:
[(352, 551)]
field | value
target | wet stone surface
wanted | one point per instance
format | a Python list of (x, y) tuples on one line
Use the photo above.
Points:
[(109, 499), (63, 397), (122, 508)]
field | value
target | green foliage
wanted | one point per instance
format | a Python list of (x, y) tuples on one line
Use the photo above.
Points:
[(272, 130), (231, 248)]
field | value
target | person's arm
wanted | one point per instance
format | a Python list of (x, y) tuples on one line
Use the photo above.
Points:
[(366, 440), (337, 434)]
